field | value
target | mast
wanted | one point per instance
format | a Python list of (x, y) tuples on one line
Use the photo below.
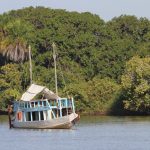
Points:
[(54, 57), (30, 62)]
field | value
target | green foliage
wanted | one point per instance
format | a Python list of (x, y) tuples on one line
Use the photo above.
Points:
[(98, 95), (103, 94), (78, 91), (10, 84), (136, 85)]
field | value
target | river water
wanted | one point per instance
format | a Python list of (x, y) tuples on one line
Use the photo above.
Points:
[(91, 133)]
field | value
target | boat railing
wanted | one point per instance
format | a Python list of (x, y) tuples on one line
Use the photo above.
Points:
[(65, 103), (38, 105), (31, 105)]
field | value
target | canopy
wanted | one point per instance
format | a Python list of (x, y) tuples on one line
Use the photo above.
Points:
[(34, 90)]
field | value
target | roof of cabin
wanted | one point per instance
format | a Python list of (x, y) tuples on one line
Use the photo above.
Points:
[(34, 90)]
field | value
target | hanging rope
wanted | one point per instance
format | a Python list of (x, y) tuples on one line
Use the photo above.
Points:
[(63, 80)]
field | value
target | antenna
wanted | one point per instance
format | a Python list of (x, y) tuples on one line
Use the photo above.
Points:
[(30, 62), (54, 57)]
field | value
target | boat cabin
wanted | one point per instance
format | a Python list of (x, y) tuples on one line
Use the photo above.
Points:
[(31, 109), (38, 110)]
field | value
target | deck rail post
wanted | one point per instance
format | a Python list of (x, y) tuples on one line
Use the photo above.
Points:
[(39, 115), (31, 116), (60, 108), (73, 108)]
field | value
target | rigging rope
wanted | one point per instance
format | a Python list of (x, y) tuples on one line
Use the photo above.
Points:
[(63, 79)]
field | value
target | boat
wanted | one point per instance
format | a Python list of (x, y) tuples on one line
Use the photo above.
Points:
[(41, 108), (49, 112)]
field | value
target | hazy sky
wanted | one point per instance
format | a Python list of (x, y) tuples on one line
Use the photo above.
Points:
[(106, 9)]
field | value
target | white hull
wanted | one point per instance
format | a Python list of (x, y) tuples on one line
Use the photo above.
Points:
[(64, 122)]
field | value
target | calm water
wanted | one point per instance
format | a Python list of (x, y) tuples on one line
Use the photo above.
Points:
[(91, 133)]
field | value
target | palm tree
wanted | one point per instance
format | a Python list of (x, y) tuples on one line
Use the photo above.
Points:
[(13, 37), (14, 50)]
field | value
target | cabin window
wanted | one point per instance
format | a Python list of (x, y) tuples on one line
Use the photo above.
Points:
[(56, 112), (44, 103), (32, 104), (21, 105), (63, 103), (41, 115), (36, 104), (35, 116), (69, 103), (64, 111), (28, 116), (26, 105), (52, 102), (41, 103)]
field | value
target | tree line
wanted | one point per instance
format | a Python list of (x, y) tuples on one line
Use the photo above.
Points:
[(105, 66)]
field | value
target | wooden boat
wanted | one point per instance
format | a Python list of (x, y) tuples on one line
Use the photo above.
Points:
[(50, 111)]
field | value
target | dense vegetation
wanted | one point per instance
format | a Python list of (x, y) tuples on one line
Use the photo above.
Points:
[(104, 65)]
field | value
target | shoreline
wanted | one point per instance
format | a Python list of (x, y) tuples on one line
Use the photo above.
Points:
[(123, 113)]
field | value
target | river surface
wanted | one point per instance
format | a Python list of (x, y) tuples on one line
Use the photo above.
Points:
[(91, 133)]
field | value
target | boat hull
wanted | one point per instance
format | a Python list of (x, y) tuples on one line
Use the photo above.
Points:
[(64, 122)]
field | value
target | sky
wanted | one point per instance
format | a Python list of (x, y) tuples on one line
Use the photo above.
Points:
[(106, 9)]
